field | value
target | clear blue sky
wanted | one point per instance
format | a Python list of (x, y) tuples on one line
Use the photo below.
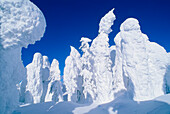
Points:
[(69, 20)]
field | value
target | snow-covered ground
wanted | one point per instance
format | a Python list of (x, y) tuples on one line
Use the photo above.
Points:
[(131, 77), (121, 105)]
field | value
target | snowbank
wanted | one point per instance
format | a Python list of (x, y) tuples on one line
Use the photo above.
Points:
[(121, 105)]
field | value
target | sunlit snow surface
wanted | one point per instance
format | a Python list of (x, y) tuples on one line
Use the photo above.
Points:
[(106, 79), (120, 105)]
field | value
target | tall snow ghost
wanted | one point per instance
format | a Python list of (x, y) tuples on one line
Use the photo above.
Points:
[(140, 64), (21, 24), (54, 92), (86, 72), (45, 76), (34, 77), (72, 79), (102, 72)]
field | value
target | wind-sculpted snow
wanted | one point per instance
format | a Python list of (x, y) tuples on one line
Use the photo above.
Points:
[(133, 69), (43, 81), (106, 22), (102, 71), (84, 44), (34, 78), (45, 76), (102, 63), (121, 105), (21, 24), (54, 91), (72, 78), (142, 64)]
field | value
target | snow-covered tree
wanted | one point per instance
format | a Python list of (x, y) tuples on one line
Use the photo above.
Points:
[(34, 77), (54, 92), (86, 72), (45, 76), (21, 24), (72, 79), (140, 64), (102, 71)]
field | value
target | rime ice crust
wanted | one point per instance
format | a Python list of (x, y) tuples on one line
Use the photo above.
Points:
[(21, 24), (142, 64), (106, 22), (54, 91), (34, 78), (72, 78)]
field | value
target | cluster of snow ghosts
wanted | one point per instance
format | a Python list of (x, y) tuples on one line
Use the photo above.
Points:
[(21, 24), (135, 66), (43, 80), (90, 78), (142, 64)]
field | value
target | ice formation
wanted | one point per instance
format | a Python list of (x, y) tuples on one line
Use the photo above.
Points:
[(140, 65), (21, 24), (54, 92), (86, 71), (45, 76), (106, 22), (84, 44), (72, 78), (132, 67), (101, 72), (34, 77)]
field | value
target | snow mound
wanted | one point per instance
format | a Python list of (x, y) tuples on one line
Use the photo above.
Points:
[(121, 105)]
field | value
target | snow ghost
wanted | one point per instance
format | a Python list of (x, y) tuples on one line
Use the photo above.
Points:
[(21, 24), (35, 77), (140, 64)]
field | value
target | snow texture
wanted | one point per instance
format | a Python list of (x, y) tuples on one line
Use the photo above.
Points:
[(142, 64), (54, 92), (121, 105), (84, 44), (34, 78), (106, 22), (123, 78), (72, 79), (21, 24), (101, 72)]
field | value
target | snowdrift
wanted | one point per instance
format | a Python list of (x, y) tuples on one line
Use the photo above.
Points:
[(121, 105)]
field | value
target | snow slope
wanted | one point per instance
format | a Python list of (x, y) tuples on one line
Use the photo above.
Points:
[(120, 105)]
